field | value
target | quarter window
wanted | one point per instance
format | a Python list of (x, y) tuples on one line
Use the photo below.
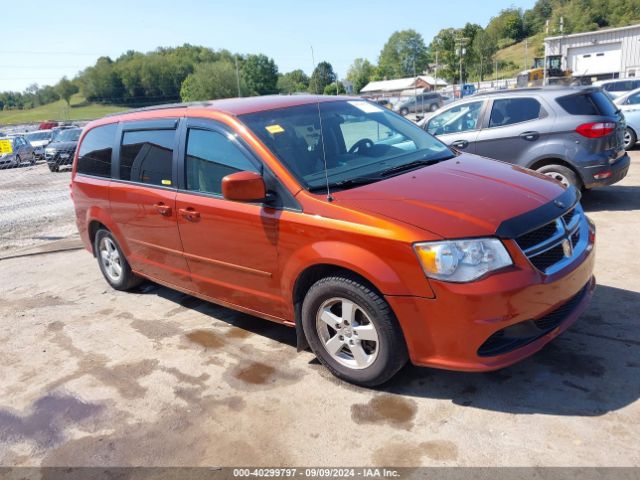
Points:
[(146, 156), (94, 156), (211, 156), (508, 111), (634, 99)]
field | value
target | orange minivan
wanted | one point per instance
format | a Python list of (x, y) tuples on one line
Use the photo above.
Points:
[(340, 218)]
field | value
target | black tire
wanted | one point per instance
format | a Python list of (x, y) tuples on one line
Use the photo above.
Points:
[(391, 347), (433, 107), (631, 140), (18, 161), (53, 167), (561, 173), (33, 160), (127, 279), (404, 112)]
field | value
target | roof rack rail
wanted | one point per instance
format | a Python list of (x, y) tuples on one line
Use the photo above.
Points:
[(161, 107)]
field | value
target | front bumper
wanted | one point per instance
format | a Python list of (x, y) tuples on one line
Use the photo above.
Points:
[(59, 157), (607, 174), (449, 331)]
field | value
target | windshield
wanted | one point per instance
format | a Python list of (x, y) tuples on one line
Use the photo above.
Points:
[(36, 136), (68, 135), (361, 141)]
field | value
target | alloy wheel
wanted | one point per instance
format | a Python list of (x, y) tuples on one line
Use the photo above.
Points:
[(347, 333), (110, 258), (559, 177)]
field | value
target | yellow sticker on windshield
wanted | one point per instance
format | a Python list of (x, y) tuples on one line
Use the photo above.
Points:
[(274, 128), (166, 182), (6, 146)]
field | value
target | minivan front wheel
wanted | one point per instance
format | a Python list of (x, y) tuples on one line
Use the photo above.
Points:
[(563, 174), (353, 331), (113, 264)]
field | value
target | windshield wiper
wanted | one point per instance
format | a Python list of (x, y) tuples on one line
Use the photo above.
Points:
[(351, 182), (411, 166)]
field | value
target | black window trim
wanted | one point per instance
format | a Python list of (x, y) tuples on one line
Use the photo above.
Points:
[(208, 124), (142, 125)]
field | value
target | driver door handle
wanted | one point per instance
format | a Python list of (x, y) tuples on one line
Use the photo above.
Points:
[(189, 214), (163, 209), (460, 144), (530, 136)]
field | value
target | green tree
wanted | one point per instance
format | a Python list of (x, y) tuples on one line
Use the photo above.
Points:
[(260, 74), (335, 88), (507, 25), (322, 76), (360, 73), (484, 48), (210, 81), (403, 54), (292, 82), (445, 46), (66, 88)]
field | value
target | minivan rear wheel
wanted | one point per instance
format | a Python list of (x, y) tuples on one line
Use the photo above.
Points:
[(563, 174), (113, 264), (630, 139), (352, 331)]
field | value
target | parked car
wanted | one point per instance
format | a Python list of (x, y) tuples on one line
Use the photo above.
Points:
[(39, 139), (61, 149), (618, 86), (384, 103), (629, 103), (372, 238), (423, 102), (48, 125), (14, 150), (575, 135)]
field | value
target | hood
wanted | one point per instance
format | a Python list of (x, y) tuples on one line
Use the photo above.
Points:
[(465, 196), (63, 145)]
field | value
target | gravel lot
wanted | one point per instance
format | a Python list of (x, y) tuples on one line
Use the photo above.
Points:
[(91, 376), (35, 206)]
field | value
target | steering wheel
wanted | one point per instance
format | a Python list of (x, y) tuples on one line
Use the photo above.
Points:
[(365, 142)]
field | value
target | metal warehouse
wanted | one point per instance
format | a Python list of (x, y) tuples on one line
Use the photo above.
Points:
[(610, 53)]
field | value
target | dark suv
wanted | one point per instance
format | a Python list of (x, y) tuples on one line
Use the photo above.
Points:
[(575, 135), (61, 149), (423, 102)]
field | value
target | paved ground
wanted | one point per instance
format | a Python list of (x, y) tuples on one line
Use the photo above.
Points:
[(90, 376), (35, 206)]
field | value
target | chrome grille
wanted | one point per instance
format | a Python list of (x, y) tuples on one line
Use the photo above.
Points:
[(554, 245)]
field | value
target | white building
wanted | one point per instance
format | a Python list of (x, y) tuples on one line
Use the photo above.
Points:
[(608, 53), (390, 88)]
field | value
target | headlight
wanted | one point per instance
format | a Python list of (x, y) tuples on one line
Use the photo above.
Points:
[(462, 260), (50, 150)]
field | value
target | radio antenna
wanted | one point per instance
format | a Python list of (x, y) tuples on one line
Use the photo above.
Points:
[(324, 153)]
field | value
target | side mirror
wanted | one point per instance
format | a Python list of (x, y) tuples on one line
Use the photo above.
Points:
[(244, 187)]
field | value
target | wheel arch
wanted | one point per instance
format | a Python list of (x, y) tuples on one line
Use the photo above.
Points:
[(541, 162), (310, 275)]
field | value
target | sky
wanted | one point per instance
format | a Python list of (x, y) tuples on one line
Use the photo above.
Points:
[(70, 35)]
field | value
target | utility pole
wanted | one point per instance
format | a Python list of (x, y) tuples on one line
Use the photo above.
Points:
[(461, 43), (435, 87), (237, 75)]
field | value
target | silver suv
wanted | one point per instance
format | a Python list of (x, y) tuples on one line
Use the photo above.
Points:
[(575, 135)]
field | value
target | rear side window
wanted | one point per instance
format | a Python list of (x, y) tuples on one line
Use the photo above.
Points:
[(210, 157), (146, 156), (507, 111), (591, 103), (94, 156)]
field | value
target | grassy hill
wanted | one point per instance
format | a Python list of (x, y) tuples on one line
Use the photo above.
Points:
[(513, 56), (80, 110)]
